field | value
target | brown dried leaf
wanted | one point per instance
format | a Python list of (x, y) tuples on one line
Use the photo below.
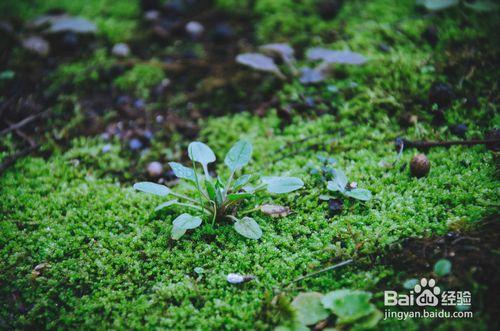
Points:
[(275, 210)]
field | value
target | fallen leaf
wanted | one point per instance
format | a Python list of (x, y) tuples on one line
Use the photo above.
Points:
[(275, 210)]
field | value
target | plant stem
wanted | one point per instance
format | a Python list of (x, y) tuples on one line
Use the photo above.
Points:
[(426, 144), (232, 218), (335, 266), (250, 210), (228, 184), (194, 207), (182, 196)]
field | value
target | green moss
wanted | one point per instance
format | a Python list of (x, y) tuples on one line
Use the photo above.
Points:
[(140, 79), (115, 20), (112, 263)]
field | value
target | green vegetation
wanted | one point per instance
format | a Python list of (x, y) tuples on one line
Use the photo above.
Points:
[(216, 197), (80, 249)]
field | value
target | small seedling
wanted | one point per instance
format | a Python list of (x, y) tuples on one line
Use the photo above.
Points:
[(352, 310), (216, 199), (341, 184), (307, 75)]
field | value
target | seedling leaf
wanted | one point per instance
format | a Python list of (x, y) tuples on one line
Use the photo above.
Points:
[(348, 305), (177, 233), (152, 188), (239, 155), (166, 204), (187, 222), (248, 228), (332, 56), (282, 184), (259, 62), (309, 308), (182, 172), (359, 193), (442, 267)]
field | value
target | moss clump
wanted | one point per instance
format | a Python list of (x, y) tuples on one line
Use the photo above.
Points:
[(140, 79), (116, 21), (112, 264)]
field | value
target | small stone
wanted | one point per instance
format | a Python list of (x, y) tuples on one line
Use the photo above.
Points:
[(140, 104), (195, 29), (155, 169), (441, 94), (37, 45), (120, 50), (152, 15), (328, 9), (238, 279), (106, 148), (135, 144), (419, 166), (352, 185), (459, 130)]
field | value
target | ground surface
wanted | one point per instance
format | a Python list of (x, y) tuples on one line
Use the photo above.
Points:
[(79, 248)]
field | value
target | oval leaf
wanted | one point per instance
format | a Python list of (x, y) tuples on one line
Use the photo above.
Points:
[(152, 188), (177, 233), (248, 228), (359, 193), (186, 222), (348, 305), (239, 155), (258, 62), (332, 56), (241, 181), (200, 152), (309, 308), (435, 5), (181, 171), (442, 267), (284, 50), (166, 204), (282, 184)]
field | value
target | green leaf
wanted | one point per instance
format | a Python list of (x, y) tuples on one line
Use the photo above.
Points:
[(248, 228), (369, 321), (409, 284), (241, 181), (238, 196), (152, 188), (199, 152), (177, 233), (481, 5), (359, 193), (181, 171), (348, 305), (309, 308), (239, 155), (166, 204), (282, 184), (210, 189), (442, 267), (435, 5), (186, 222), (339, 182)]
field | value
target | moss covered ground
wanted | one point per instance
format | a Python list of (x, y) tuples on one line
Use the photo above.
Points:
[(109, 262)]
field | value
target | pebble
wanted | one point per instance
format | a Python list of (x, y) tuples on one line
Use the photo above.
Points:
[(195, 29), (37, 45), (135, 144), (419, 166), (120, 50), (441, 94), (155, 169)]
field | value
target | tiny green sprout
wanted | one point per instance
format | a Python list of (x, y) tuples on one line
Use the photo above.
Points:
[(216, 199), (341, 184)]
